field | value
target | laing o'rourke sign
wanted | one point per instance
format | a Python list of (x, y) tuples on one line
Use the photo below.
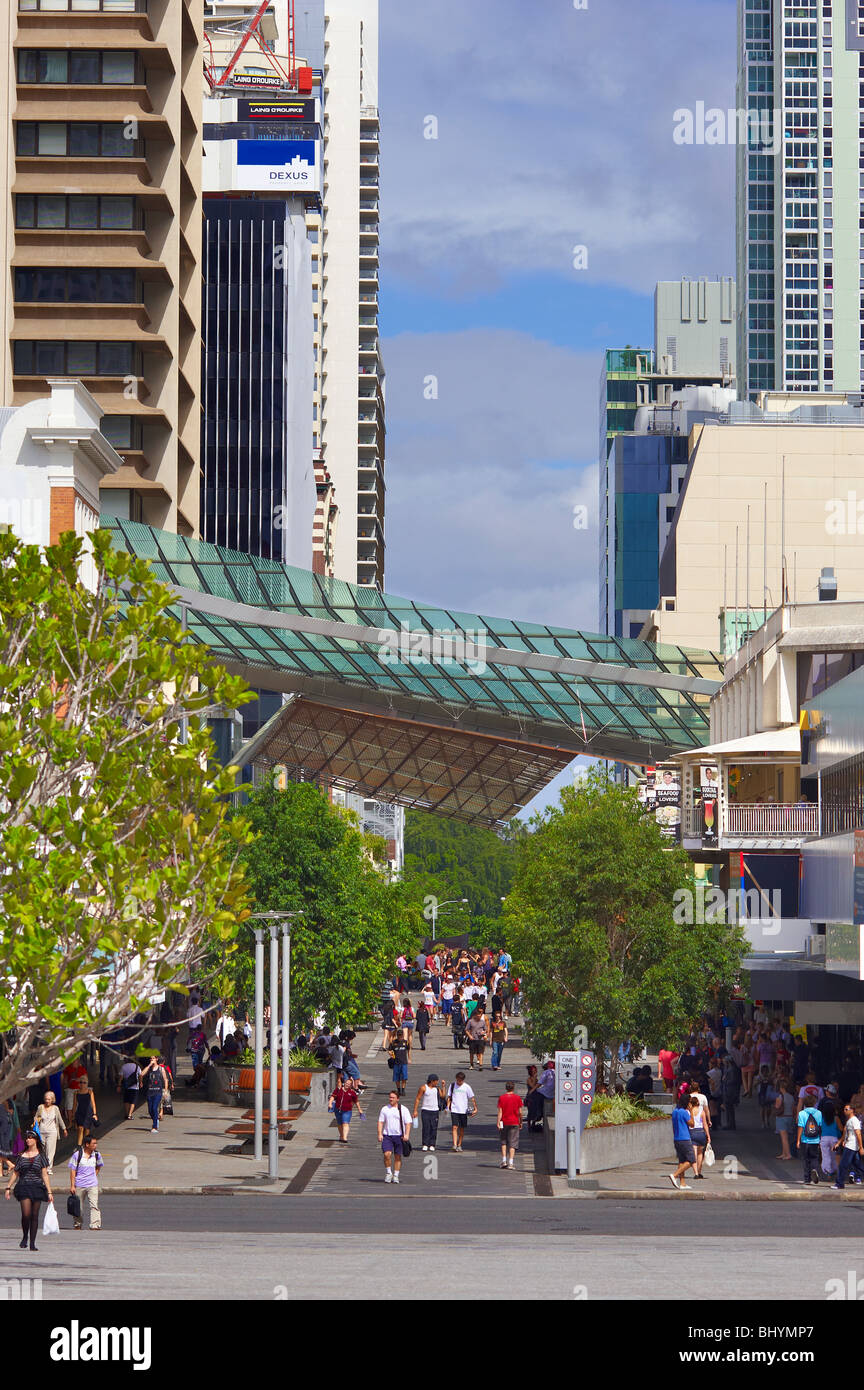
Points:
[(280, 164)]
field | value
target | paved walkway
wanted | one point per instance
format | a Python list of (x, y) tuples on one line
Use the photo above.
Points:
[(352, 1168), (747, 1169)]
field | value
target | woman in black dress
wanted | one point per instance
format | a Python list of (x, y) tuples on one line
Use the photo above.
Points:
[(32, 1186), (422, 1025), (85, 1109)]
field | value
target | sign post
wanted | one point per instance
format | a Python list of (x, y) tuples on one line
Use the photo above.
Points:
[(575, 1076)]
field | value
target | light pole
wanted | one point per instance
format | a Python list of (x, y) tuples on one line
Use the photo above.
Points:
[(436, 905), (287, 917), (273, 919)]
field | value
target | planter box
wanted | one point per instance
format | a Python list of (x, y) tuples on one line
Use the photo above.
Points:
[(616, 1146)]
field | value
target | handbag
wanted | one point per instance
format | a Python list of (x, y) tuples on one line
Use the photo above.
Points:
[(51, 1225), (709, 1155), (168, 1105), (406, 1148), (73, 1206)]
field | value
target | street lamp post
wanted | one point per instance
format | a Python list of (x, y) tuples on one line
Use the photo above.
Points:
[(273, 919), (436, 905), (259, 1041)]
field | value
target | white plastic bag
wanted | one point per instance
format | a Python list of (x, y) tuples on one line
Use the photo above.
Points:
[(709, 1155), (50, 1226)]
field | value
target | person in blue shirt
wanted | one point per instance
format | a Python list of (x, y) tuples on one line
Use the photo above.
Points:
[(683, 1118), (505, 960), (809, 1141)]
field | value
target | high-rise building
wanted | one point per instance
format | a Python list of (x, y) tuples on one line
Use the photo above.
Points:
[(102, 231), (351, 375), (799, 205), (641, 395), (261, 178)]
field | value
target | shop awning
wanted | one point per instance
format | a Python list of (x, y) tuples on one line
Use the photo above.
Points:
[(784, 742)]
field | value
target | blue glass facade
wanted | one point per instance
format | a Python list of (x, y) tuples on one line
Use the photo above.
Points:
[(643, 470), (243, 449)]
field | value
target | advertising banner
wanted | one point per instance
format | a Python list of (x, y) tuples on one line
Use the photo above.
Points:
[(667, 793), (302, 111), (290, 165)]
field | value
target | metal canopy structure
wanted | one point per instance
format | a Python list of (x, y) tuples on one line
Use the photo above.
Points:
[(416, 703)]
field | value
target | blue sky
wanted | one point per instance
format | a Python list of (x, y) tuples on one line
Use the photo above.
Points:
[(554, 131)]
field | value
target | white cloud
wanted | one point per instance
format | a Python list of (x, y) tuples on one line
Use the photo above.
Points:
[(555, 129), (481, 483)]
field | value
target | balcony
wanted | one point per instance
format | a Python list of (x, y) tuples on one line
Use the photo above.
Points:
[(757, 821)]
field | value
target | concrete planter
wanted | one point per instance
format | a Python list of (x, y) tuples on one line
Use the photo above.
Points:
[(616, 1146)]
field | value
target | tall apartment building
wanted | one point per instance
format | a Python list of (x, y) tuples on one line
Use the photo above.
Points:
[(351, 378), (101, 229), (641, 394), (800, 174), (262, 172)]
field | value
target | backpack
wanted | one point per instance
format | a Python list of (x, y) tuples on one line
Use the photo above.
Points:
[(812, 1127)]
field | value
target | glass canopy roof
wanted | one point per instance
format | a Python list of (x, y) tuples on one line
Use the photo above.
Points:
[(291, 630)]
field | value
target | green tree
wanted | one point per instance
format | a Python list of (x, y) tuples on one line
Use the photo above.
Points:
[(308, 856), (116, 863), (452, 859), (590, 920)]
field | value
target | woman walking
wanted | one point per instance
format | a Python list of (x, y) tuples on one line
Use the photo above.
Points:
[(499, 1035), (700, 1134), (785, 1110), (85, 1109), (153, 1077), (408, 1022), (7, 1130), (428, 1099), (457, 1020), (534, 1100), (343, 1100), (423, 1025), (32, 1187), (50, 1121)]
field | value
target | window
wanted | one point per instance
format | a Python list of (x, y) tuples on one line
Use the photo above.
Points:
[(77, 138), (76, 286), (77, 210), (120, 431), (74, 359)]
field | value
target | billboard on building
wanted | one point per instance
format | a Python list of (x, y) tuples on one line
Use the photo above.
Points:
[(271, 166), (303, 111)]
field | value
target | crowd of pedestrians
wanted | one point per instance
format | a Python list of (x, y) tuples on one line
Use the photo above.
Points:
[(815, 1106)]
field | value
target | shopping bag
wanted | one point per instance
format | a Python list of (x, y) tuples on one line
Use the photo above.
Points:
[(50, 1226), (709, 1155)]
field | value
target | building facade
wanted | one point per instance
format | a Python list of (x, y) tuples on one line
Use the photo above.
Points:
[(799, 203), (641, 393), (101, 229), (767, 503)]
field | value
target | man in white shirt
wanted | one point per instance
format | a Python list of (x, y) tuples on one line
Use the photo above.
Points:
[(460, 1103), (394, 1127)]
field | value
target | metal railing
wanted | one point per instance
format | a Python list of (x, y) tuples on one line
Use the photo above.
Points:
[(773, 820)]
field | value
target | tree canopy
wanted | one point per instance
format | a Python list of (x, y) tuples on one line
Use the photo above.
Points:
[(305, 855), (590, 921), (116, 860), (448, 858)]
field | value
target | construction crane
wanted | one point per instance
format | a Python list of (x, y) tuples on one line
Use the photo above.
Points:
[(249, 32)]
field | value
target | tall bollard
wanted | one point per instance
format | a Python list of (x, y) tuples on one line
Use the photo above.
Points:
[(572, 1143)]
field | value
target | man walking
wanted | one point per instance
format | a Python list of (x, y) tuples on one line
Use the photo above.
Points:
[(85, 1165), (809, 1141), (460, 1103), (394, 1127), (683, 1121), (509, 1123)]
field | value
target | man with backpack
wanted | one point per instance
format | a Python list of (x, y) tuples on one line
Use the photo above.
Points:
[(809, 1141), (85, 1165)]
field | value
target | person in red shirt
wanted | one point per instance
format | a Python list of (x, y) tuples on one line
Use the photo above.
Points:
[(666, 1060), (509, 1123)]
